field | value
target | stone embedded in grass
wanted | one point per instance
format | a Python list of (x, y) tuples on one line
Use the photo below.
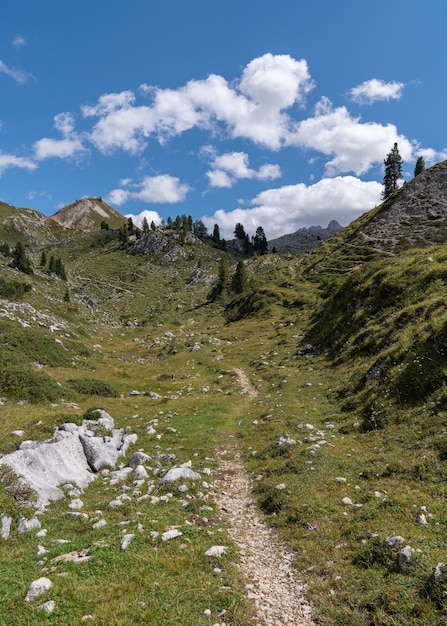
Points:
[(405, 556), (126, 540), (216, 551), (27, 525), (138, 458), (171, 534), (285, 441), (76, 504), (48, 607), (100, 524), (176, 473), (37, 588), (6, 521), (394, 540)]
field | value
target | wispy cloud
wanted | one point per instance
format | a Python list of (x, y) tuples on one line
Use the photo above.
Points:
[(375, 90), (10, 160), (20, 76), (18, 41)]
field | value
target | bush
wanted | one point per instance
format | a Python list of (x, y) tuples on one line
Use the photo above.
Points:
[(93, 387), (13, 288), (22, 383)]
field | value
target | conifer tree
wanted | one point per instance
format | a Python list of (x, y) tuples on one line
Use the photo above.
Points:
[(239, 280), (419, 167), (260, 241), (43, 259), (393, 172), (21, 261), (145, 226), (216, 234)]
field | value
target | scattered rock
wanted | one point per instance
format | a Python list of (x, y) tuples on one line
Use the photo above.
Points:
[(37, 588), (171, 534), (6, 521), (405, 556), (28, 525), (183, 472), (126, 540), (217, 551)]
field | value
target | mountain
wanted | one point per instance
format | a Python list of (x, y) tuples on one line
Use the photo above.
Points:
[(27, 226), (304, 239), (87, 214), (343, 427), (415, 216)]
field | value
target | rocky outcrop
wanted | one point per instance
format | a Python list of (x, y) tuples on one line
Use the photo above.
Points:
[(72, 455), (87, 214), (304, 239), (416, 216)]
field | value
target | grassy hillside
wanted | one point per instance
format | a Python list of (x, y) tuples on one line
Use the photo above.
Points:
[(350, 370)]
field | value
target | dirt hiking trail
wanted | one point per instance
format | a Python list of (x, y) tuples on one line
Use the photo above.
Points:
[(278, 597)]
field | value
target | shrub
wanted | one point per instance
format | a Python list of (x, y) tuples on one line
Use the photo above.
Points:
[(19, 381), (93, 387)]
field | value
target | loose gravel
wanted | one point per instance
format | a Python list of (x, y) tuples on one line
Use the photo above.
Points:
[(278, 597)]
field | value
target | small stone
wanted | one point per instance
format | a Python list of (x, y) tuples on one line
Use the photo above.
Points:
[(49, 606), (125, 541), (27, 525), (216, 551), (76, 504), (6, 521), (100, 524), (171, 534), (37, 588)]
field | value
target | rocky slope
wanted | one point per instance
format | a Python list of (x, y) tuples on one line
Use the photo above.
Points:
[(304, 239), (88, 213)]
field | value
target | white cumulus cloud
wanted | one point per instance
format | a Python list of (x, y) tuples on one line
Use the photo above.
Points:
[(232, 166), (253, 107), (375, 90), (161, 189), (151, 216), (354, 146), (69, 146), (285, 209)]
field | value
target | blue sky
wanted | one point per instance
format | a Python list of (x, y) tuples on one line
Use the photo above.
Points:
[(275, 114)]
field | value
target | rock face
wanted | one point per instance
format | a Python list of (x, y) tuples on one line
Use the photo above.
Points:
[(87, 214), (166, 245), (416, 217), (304, 239), (68, 457)]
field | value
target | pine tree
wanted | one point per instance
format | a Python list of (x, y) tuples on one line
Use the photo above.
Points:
[(43, 259), (239, 231), (145, 226), (420, 166), (216, 234), (239, 280), (260, 241), (393, 172), (21, 261)]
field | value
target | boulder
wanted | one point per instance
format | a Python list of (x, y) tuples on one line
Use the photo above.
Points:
[(69, 456)]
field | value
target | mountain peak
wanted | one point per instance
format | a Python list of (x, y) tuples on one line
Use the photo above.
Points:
[(87, 214)]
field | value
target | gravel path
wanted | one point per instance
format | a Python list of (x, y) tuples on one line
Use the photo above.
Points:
[(278, 597)]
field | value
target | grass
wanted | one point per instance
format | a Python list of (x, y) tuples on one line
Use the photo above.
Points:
[(329, 352)]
